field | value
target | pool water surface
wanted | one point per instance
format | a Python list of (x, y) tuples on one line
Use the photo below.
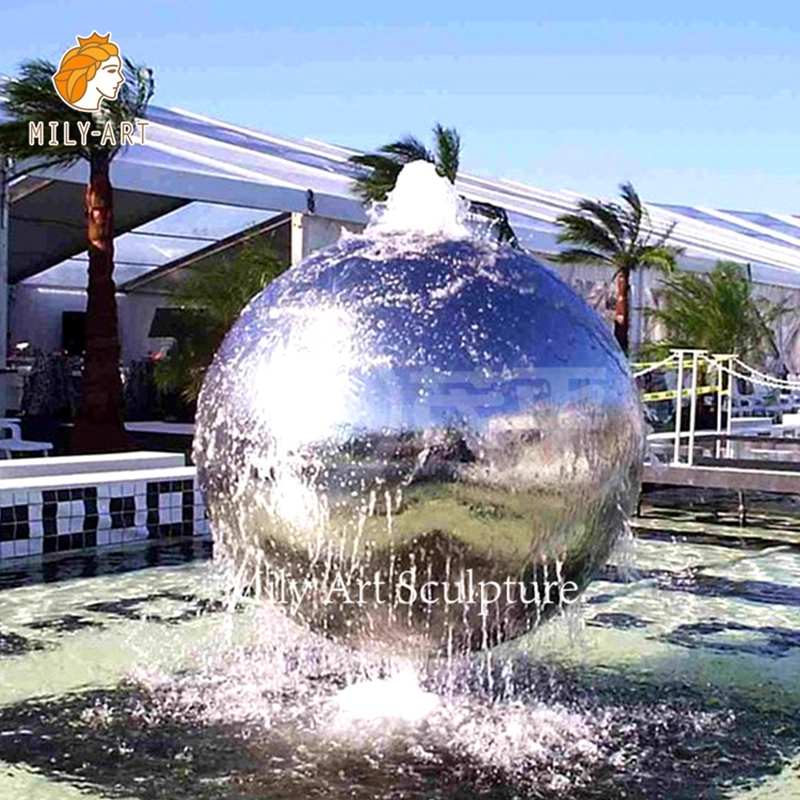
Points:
[(677, 676)]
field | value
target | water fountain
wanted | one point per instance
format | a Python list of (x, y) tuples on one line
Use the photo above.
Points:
[(414, 402), (418, 438)]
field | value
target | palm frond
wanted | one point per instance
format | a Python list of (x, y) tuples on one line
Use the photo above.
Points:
[(14, 144), (580, 255), (31, 93), (137, 91), (635, 218), (580, 230), (717, 312), (608, 215), (407, 149), (31, 98), (631, 198), (659, 257), (448, 151), (379, 176), (383, 167), (619, 232)]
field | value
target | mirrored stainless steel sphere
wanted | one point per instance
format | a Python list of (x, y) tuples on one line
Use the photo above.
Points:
[(399, 424)]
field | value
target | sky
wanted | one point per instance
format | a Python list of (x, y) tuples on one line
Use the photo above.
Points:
[(693, 102)]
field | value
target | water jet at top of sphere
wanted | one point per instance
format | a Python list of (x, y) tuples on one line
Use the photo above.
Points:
[(418, 439), (422, 201)]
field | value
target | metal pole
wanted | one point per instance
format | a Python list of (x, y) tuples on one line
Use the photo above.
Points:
[(730, 407), (720, 359), (5, 202), (298, 241), (693, 406), (676, 457), (720, 396), (638, 311)]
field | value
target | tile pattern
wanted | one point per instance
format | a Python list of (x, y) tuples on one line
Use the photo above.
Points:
[(69, 519), (44, 521), (170, 508)]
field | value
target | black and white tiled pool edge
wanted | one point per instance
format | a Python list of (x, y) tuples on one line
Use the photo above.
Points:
[(158, 506)]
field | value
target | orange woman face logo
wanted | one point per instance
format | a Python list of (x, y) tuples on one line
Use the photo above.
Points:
[(89, 73)]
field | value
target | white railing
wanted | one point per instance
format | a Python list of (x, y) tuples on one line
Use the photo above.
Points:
[(726, 367)]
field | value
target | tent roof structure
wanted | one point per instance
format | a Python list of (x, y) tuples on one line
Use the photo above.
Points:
[(166, 277), (197, 180)]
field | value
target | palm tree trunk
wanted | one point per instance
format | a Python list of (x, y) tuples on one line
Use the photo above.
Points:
[(622, 309), (100, 427)]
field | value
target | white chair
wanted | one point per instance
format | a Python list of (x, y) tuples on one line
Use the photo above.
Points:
[(11, 425), (12, 441)]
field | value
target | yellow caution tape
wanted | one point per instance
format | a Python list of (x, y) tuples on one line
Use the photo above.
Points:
[(668, 366), (651, 397), (647, 365)]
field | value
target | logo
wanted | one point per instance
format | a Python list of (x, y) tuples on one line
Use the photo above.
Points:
[(88, 75)]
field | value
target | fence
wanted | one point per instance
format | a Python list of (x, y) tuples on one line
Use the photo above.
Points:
[(722, 370)]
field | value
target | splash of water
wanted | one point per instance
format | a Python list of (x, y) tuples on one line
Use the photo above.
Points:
[(399, 697), (421, 202), (308, 705)]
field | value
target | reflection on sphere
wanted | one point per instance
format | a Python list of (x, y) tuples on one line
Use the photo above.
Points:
[(412, 405)]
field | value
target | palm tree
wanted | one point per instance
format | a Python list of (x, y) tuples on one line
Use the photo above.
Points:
[(31, 98), (384, 166), (620, 236), (211, 299), (716, 312)]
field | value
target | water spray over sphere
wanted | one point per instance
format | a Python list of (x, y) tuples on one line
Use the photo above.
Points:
[(416, 438)]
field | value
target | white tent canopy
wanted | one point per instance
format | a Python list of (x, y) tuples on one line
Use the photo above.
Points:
[(196, 179)]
